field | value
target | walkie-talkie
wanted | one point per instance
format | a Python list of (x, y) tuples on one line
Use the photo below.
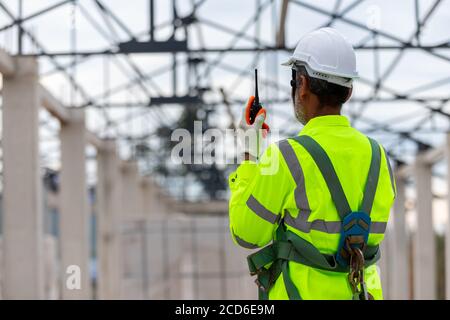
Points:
[(254, 107)]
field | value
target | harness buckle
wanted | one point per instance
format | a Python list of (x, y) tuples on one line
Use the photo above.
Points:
[(354, 235), (352, 245), (260, 285), (258, 271)]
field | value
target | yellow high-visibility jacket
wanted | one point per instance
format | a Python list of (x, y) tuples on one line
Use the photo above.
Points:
[(287, 184)]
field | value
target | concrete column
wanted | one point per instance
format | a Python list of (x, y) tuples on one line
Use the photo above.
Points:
[(385, 263), (153, 204), (424, 242), (51, 267), (22, 220), (447, 230), (135, 239), (74, 214), (131, 189), (109, 204), (1, 268), (141, 197), (382, 264), (400, 248)]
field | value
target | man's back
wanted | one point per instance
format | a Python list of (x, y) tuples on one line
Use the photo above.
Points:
[(298, 196)]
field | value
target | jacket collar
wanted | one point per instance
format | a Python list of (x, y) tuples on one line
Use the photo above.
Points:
[(326, 121)]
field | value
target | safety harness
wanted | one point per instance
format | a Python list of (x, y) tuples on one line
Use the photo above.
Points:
[(353, 253)]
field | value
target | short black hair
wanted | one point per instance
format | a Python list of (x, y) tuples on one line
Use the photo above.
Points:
[(329, 94)]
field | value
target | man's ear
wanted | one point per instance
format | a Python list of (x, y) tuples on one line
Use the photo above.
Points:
[(304, 86), (349, 94)]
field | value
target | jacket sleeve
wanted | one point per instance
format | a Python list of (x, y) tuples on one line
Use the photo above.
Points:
[(258, 193), (391, 175)]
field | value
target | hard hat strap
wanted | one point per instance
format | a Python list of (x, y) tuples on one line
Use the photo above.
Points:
[(293, 85)]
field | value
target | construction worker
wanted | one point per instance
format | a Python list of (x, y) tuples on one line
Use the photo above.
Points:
[(322, 214)]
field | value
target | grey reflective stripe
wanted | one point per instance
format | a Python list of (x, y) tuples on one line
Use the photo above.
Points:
[(372, 179), (297, 173), (330, 227), (261, 211), (301, 223), (391, 176), (378, 227), (244, 243)]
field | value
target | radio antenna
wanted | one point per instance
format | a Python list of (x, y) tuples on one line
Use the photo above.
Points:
[(256, 88)]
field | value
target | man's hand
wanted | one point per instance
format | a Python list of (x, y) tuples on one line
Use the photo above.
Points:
[(251, 136)]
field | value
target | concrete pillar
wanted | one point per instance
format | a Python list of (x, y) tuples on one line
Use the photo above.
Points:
[(109, 204), (400, 248), (424, 241), (22, 220), (131, 190), (385, 263), (74, 215), (447, 229), (134, 245), (51, 267), (1, 267), (153, 203)]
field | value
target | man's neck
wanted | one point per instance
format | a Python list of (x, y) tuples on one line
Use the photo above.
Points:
[(328, 111)]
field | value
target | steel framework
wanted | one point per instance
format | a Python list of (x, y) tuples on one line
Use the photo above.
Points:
[(144, 106)]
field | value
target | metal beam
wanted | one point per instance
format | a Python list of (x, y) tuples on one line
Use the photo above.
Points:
[(170, 45), (281, 34), (175, 100), (179, 46), (35, 15)]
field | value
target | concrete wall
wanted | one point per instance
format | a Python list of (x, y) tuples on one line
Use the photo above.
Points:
[(184, 257), (51, 268)]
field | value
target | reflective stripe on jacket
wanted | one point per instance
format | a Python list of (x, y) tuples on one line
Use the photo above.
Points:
[(287, 185)]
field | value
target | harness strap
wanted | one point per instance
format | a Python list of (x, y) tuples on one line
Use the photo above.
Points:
[(325, 166), (285, 254), (372, 177), (272, 260), (302, 251)]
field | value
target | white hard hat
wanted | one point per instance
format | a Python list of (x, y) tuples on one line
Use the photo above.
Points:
[(326, 55)]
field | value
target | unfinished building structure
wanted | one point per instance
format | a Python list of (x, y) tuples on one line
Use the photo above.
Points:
[(88, 187)]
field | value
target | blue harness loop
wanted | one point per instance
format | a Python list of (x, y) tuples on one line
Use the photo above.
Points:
[(354, 234)]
